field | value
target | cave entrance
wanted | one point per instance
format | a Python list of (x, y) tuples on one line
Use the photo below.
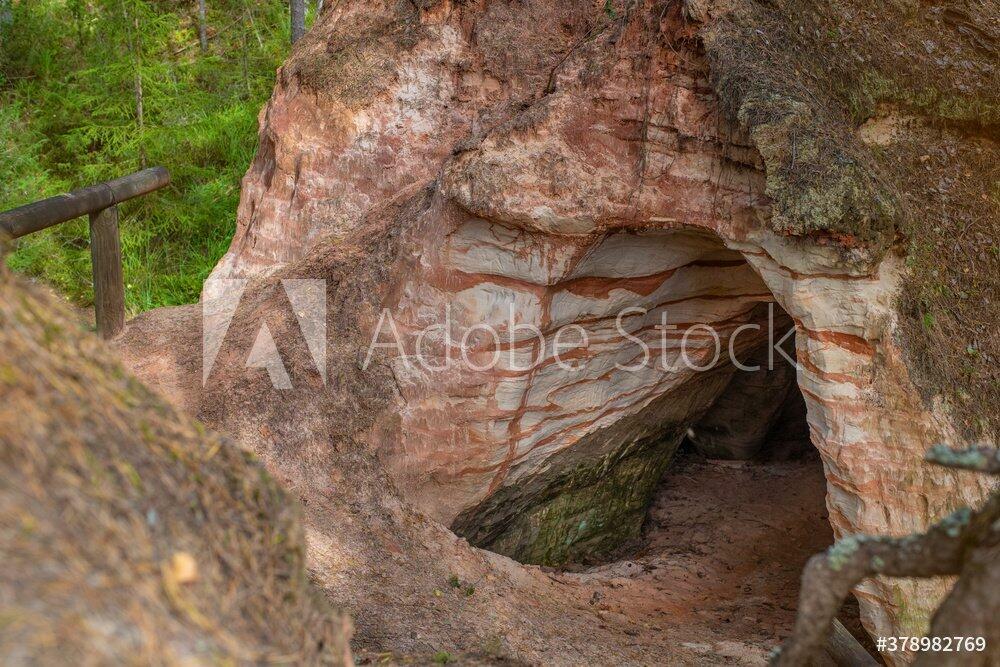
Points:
[(682, 344), (761, 414), (735, 516), (679, 488), (731, 523)]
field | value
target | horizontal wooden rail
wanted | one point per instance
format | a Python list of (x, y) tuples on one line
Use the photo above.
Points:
[(100, 202), (42, 214)]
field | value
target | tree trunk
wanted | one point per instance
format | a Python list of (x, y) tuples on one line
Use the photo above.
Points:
[(243, 46), (202, 27), (298, 12), (133, 30)]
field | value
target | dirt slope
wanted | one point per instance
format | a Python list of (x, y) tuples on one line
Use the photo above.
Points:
[(129, 533)]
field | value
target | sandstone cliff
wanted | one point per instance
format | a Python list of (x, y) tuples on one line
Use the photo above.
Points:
[(449, 164)]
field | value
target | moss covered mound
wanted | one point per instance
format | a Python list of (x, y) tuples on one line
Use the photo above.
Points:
[(357, 58), (879, 127), (129, 533)]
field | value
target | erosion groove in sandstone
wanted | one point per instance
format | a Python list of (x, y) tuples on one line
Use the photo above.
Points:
[(603, 164)]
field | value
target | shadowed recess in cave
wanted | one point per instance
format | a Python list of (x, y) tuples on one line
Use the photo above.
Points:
[(588, 503)]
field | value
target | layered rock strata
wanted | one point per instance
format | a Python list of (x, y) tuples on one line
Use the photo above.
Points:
[(470, 190)]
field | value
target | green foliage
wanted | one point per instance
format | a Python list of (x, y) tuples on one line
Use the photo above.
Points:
[(68, 118)]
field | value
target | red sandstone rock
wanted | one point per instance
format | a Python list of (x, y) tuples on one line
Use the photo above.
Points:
[(547, 160)]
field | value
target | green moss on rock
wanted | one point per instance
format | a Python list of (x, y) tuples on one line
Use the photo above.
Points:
[(802, 78), (600, 507)]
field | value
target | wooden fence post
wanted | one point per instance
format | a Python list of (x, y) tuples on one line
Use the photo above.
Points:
[(109, 285)]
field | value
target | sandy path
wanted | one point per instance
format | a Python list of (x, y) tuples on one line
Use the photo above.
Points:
[(726, 543)]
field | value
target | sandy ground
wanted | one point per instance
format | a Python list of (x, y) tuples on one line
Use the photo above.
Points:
[(714, 582), (726, 542)]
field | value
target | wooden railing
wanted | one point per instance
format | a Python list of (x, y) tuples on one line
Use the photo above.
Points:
[(100, 202)]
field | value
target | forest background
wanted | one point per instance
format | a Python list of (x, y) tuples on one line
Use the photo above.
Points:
[(94, 89)]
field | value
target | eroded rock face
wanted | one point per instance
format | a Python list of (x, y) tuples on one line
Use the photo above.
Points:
[(586, 172), (534, 407)]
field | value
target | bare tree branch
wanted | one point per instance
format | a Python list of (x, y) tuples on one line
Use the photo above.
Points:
[(978, 459)]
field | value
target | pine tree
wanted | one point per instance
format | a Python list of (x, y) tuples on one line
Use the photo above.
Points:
[(87, 96), (133, 30)]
